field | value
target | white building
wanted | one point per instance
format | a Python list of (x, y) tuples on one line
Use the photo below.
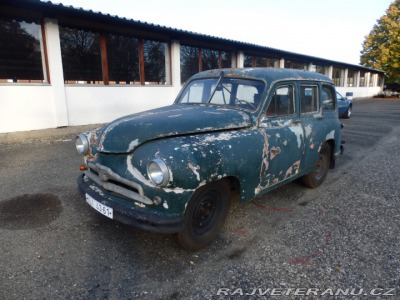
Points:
[(63, 66)]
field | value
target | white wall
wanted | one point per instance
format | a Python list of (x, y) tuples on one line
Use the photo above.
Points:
[(359, 92), (101, 104), (26, 107)]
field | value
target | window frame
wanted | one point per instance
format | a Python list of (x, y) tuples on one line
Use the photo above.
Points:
[(200, 59), (334, 100), (294, 101), (141, 57), (44, 61), (308, 85)]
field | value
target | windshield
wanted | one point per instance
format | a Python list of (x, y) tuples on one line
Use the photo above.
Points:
[(233, 92)]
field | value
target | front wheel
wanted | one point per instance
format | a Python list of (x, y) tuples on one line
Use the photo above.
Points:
[(348, 113), (316, 177), (205, 215)]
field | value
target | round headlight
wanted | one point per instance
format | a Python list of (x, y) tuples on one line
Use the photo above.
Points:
[(82, 144), (158, 172)]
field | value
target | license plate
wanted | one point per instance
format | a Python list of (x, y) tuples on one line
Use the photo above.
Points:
[(101, 208)]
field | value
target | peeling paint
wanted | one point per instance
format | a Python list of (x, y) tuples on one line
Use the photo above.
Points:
[(298, 131), (307, 130), (132, 145), (264, 161), (136, 173), (330, 135), (274, 152), (96, 189), (177, 190), (226, 136), (293, 170), (195, 170)]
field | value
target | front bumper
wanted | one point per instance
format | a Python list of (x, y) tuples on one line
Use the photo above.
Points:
[(128, 214)]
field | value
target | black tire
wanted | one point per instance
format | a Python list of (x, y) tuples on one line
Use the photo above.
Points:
[(205, 215), (316, 177)]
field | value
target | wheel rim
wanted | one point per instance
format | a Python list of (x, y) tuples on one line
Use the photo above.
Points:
[(205, 212), (349, 112)]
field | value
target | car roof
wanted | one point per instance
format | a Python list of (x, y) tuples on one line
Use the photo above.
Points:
[(268, 74)]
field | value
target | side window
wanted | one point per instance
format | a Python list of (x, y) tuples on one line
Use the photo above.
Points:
[(282, 102), (328, 100), (309, 100)]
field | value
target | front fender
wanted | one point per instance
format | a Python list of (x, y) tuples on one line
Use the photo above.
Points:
[(196, 160)]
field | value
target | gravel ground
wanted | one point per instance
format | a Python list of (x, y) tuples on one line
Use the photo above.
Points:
[(343, 235)]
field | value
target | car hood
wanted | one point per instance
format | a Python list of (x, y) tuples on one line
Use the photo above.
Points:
[(125, 134)]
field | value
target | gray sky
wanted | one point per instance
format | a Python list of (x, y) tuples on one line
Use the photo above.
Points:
[(324, 28)]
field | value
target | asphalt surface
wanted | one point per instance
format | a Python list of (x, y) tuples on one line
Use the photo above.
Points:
[(343, 235)]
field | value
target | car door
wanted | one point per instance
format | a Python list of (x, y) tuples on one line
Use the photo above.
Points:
[(312, 120), (283, 137)]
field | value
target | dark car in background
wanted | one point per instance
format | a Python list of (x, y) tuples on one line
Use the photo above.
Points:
[(345, 106)]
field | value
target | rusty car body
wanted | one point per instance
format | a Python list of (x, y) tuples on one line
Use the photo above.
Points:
[(172, 169)]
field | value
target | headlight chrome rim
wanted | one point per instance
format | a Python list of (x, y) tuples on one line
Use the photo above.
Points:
[(82, 144), (158, 172)]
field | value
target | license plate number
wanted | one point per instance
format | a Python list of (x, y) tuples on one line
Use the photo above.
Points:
[(101, 208)]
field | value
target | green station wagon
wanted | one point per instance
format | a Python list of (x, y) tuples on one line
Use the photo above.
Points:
[(172, 169)]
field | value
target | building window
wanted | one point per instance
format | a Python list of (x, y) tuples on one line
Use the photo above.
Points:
[(226, 59), (380, 81), (210, 59), (248, 61), (156, 64), (22, 52), (103, 58), (189, 62), (319, 69), (362, 79), (81, 57), (336, 76), (123, 59), (351, 75), (261, 62), (194, 60), (291, 64), (251, 61), (371, 80)]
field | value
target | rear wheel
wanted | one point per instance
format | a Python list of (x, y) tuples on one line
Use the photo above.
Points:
[(316, 177), (205, 215)]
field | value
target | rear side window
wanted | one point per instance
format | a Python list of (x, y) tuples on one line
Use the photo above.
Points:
[(282, 102), (309, 100), (328, 100)]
